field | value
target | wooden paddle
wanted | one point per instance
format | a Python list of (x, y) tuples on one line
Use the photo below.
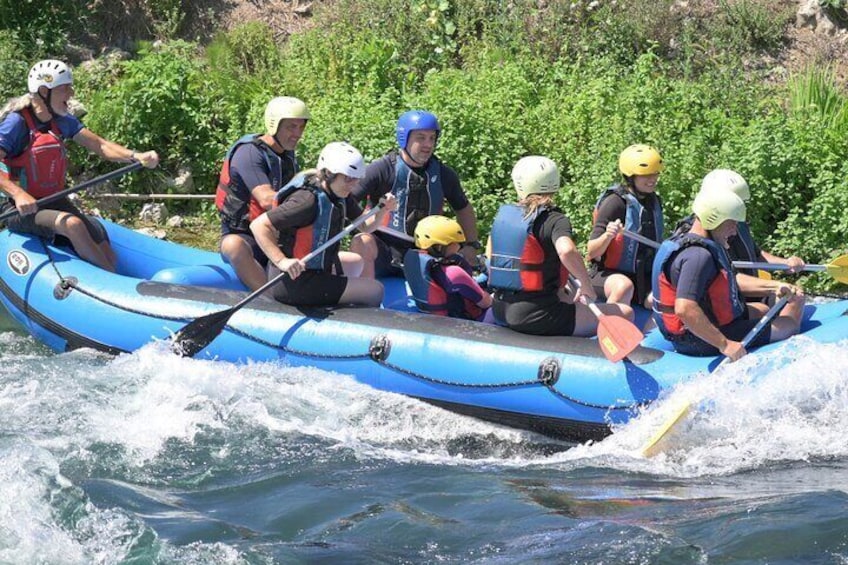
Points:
[(199, 333), (652, 447), (617, 336), (81, 186), (838, 268)]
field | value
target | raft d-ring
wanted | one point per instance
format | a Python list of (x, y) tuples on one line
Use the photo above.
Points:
[(380, 348), (549, 370), (64, 287)]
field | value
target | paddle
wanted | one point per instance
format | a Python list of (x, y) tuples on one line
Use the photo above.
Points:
[(617, 336), (395, 233), (81, 186), (651, 447), (201, 332), (838, 268)]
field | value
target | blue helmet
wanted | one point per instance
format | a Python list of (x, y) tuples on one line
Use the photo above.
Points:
[(412, 120)]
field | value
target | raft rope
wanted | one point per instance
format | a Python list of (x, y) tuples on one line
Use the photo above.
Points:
[(378, 357)]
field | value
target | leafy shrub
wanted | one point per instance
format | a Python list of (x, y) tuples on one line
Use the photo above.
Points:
[(14, 65), (166, 101)]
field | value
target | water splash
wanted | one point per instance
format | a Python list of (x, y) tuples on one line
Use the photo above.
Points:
[(784, 405)]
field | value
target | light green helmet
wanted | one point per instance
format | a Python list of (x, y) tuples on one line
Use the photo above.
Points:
[(535, 175), (725, 179), (715, 207), (284, 108)]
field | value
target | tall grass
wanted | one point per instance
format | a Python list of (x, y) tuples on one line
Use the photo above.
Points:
[(814, 94)]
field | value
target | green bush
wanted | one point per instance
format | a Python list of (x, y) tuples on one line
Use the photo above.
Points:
[(14, 65), (166, 100)]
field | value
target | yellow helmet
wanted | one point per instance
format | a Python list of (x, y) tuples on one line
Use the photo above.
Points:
[(438, 230), (713, 208), (725, 179), (535, 175), (640, 160), (284, 108)]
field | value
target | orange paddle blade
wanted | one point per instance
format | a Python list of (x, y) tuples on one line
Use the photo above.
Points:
[(618, 337)]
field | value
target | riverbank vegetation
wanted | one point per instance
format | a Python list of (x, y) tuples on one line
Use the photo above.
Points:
[(574, 80)]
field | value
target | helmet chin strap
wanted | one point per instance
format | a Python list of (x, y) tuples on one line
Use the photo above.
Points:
[(47, 101), (411, 158)]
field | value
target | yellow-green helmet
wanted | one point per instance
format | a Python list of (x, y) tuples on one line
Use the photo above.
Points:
[(438, 230), (713, 208), (535, 175), (283, 108), (640, 160), (725, 179)]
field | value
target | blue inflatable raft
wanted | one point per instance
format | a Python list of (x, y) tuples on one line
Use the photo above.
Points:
[(562, 387)]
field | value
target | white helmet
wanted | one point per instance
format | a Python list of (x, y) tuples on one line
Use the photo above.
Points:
[(535, 175), (284, 108), (725, 179), (713, 208), (340, 157), (50, 73)]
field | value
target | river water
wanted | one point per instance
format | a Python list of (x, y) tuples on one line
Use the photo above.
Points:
[(150, 458)]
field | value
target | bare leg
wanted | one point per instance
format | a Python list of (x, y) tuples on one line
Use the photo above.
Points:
[(618, 289), (368, 292), (239, 254), (586, 323), (351, 263), (74, 229), (365, 245), (788, 323)]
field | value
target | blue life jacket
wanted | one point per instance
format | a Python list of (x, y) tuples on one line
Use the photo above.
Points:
[(517, 256), (743, 248), (407, 185), (428, 294), (623, 251), (722, 304), (311, 237)]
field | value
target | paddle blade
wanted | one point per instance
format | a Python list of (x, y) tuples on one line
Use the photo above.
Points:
[(653, 445), (196, 335), (617, 337), (838, 269)]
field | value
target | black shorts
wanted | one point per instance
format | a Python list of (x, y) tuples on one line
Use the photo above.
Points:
[(311, 288), (43, 221), (534, 314), (689, 344), (389, 262), (248, 238)]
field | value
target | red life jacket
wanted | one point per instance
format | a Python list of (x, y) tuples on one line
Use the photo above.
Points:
[(723, 303), (40, 169), (236, 205)]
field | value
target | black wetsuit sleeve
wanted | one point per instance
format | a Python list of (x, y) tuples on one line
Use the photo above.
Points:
[(298, 210), (691, 273), (249, 167), (452, 188), (612, 208)]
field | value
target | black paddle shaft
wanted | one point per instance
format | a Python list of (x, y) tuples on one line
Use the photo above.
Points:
[(81, 186), (201, 332)]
